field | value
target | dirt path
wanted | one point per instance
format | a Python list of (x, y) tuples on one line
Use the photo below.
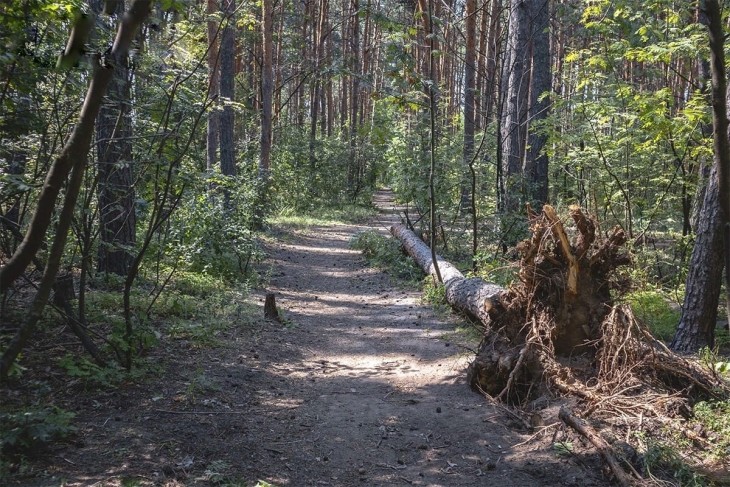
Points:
[(362, 386), (367, 387)]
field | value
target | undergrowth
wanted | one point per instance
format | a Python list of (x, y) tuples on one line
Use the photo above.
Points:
[(654, 308), (328, 215), (385, 253)]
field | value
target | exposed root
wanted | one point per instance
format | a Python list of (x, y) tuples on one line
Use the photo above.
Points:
[(558, 331)]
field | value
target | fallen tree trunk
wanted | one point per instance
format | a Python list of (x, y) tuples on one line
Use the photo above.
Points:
[(472, 296)]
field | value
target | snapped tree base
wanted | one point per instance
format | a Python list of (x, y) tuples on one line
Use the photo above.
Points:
[(271, 312)]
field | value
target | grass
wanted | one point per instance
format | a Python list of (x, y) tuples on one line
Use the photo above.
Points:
[(385, 253), (714, 418), (656, 310), (334, 215)]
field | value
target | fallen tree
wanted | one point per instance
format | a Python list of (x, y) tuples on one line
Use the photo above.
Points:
[(556, 331), (471, 296)]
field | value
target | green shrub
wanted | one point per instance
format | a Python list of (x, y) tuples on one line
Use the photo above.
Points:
[(496, 270), (715, 419), (663, 460), (653, 308), (27, 431), (385, 253), (434, 294)]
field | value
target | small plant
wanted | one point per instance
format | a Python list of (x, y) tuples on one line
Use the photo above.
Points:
[(715, 419), (385, 253), (664, 461), (653, 308), (216, 472), (25, 432), (498, 271), (563, 448), (712, 360), (91, 373), (434, 294)]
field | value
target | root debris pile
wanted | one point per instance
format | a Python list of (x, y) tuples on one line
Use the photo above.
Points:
[(558, 331)]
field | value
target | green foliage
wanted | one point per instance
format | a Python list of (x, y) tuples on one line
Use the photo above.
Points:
[(663, 460), (629, 143), (221, 243), (715, 419), (90, 373), (494, 269), (386, 253), (434, 294), (713, 361), (26, 431), (653, 308), (563, 448)]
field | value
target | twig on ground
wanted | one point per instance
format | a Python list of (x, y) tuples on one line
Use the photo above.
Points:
[(603, 448)]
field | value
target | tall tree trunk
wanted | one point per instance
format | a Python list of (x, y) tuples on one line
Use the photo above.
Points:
[(117, 222), (315, 100), (469, 96), (433, 139), (697, 324), (75, 150), (267, 89), (227, 89), (213, 128), (353, 182), (267, 93), (536, 160), (696, 327), (72, 160), (514, 125), (491, 54)]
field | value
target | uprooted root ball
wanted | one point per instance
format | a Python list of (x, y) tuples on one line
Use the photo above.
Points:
[(558, 329)]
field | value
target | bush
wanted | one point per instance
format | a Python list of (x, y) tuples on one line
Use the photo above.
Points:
[(24, 432), (715, 420), (385, 253), (653, 308)]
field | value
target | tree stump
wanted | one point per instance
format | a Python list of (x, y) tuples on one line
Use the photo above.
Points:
[(270, 310)]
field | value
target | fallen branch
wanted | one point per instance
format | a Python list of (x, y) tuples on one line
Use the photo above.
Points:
[(603, 448)]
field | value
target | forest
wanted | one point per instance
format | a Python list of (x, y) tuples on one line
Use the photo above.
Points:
[(558, 170)]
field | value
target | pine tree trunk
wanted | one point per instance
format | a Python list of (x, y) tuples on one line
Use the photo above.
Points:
[(536, 160), (696, 327), (469, 97), (213, 127), (227, 89), (117, 222), (267, 91), (710, 254), (514, 125)]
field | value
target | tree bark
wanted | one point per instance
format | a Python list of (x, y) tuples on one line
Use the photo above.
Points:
[(472, 296), (536, 160), (514, 125), (117, 219), (267, 90), (227, 90), (696, 327), (73, 157), (597, 440), (469, 97), (213, 128)]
